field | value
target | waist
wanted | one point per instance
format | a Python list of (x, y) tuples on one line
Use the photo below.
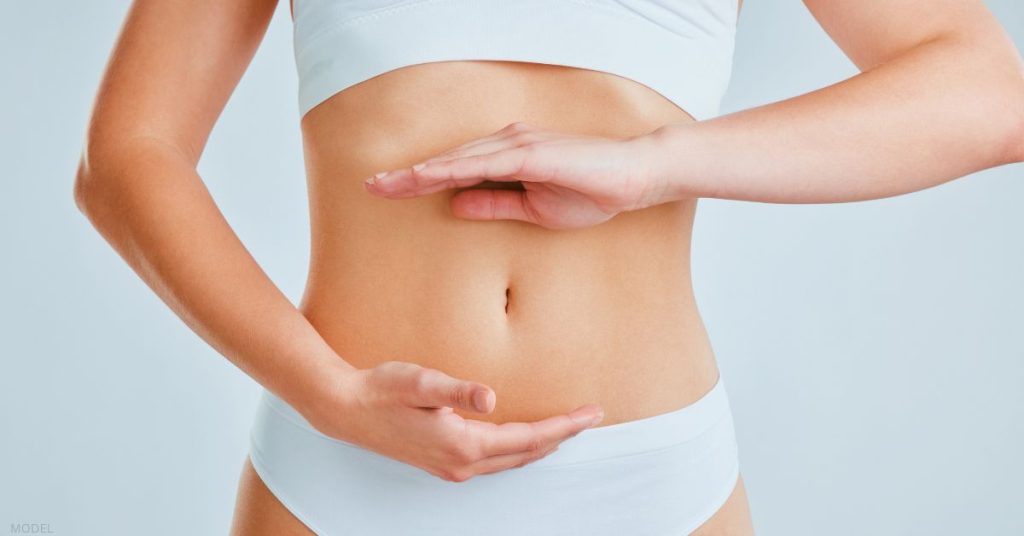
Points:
[(548, 319), (710, 412)]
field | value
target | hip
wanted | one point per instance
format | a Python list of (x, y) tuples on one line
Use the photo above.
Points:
[(662, 475)]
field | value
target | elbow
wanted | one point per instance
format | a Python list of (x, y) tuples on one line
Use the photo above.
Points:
[(1003, 126), (79, 188), (100, 162), (1018, 147), (96, 179), (1016, 137), (84, 190), (996, 72), (93, 182), (1013, 118)]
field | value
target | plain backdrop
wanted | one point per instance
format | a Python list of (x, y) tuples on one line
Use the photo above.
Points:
[(873, 350)]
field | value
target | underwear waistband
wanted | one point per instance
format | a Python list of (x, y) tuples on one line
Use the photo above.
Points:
[(656, 432)]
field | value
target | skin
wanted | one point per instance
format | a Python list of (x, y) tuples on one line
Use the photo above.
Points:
[(915, 81), (585, 308)]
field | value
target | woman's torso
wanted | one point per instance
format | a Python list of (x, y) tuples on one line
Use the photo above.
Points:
[(602, 314)]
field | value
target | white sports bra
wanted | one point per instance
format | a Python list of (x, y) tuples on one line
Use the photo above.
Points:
[(683, 49)]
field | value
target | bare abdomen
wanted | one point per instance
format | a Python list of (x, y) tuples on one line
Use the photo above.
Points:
[(550, 319)]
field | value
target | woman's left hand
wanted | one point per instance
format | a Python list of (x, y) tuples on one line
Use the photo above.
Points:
[(569, 181)]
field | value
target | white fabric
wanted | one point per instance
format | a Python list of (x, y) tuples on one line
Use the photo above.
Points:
[(681, 48), (663, 475)]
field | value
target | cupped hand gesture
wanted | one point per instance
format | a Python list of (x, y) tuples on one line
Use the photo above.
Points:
[(405, 411), (569, 181)]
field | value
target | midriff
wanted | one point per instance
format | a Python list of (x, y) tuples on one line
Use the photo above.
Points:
[(550, 319)]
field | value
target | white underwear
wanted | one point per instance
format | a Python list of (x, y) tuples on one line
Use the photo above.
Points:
[(663, 475)]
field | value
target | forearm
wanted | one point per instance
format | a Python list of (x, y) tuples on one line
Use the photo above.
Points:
[(152, 207), (941, 111)]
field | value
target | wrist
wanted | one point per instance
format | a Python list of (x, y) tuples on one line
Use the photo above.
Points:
[(332, 389), (671, 154)]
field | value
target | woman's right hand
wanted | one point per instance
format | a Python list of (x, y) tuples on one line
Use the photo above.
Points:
[(404, 411)]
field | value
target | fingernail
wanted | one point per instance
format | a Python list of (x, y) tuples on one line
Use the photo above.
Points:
[(419, 166), (480, 399), (597, 419), (376, 177), (582, 419)]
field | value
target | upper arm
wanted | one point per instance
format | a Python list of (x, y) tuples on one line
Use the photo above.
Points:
[(871, 32), (173, 68)]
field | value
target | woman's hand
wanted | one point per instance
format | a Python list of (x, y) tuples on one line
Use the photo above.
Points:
[(404, 411), (569, 180)]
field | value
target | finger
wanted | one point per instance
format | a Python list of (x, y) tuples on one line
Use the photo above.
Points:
[(408, 182), (491, 204), (512, 135), (492, 144), (433, 388), (488, 144), (473, 146), (502, 462), (514, 437), (501, 166)]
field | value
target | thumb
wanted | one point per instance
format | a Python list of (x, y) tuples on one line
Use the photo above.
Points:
[(492, 204), (437, 389)]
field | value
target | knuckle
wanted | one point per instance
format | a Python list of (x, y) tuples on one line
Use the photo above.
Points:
[(524, 461), (548, 451), (462, 454), (443, 474), (419, 382), (457, 475), (458, 395), (517, 126), (451, 184), (391, 365), (524, 155), (523, 137), (536, 455), (388, 373), (535, 445), (529, 150), (532, 212)]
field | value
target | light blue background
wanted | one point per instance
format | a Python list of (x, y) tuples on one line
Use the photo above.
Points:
[(873, 350)]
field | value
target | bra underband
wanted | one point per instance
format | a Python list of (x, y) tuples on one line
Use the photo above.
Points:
[(683, 49)]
